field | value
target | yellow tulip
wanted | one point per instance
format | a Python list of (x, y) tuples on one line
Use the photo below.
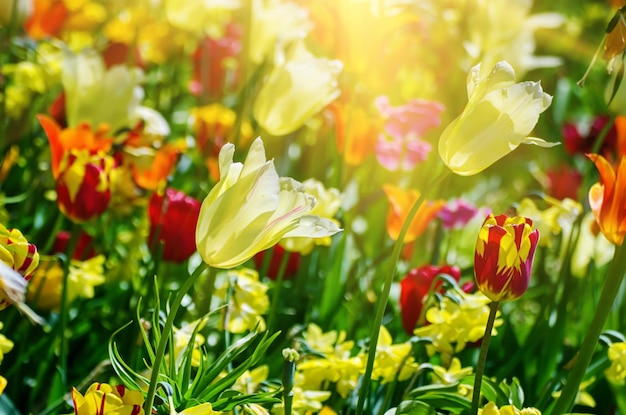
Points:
[(275, 21), (295, 90), (251, 208), (98, 95), (496, 120)]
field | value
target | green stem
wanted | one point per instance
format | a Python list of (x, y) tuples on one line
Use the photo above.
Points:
[(384, 297), (609, 292), (482, 357), (271, 320), (165, 334), (64, 306)]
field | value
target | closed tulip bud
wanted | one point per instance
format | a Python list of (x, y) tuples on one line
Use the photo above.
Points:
[(173, 220), (83, 185), (504, 256), (496, 120), (295, 91), (251, 208)]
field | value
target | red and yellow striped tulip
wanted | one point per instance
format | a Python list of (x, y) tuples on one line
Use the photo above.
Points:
[(504, 256)]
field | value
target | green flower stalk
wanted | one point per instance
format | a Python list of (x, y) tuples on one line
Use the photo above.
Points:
[(289, 373), (612, 284), (165, 334), (384, 297)]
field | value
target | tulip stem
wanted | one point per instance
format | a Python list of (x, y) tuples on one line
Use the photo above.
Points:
[(64, 306), (607, 298), (384, 296), (482, 357), (165, 334)]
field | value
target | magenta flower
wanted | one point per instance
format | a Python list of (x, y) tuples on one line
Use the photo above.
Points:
[(402, 146), (457, 213)]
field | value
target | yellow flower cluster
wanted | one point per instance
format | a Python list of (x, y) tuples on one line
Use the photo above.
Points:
[(247, 300), (44, 290), (492, 409), (617, 355), (454, 323), (339, 367)]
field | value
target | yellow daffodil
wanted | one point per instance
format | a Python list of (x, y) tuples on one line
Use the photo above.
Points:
[(182, 339), (392, 360), (337, 366), (617, 355), (44, 290), (296, 89), (3, 384), (550, 221), (583, 397), (491, 409), (247, 300), (250, 380), (496, 120), (327, 204), (305, 400), (251, 208), (98, 95), (454, 323), (453, 374), (5, 344)]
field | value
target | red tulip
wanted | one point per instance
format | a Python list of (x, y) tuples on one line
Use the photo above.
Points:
[(415, 287), (173, 220)]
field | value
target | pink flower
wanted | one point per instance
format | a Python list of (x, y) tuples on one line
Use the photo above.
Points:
[(457, 213), (402, 146)]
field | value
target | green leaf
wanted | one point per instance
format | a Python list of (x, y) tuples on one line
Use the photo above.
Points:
[(447, 401), (230, 399), (6, 406), (490, 390), (125, 372), (618, 80), (414, 408)]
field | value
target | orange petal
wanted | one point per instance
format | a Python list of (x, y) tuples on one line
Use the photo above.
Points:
[(53, 132)]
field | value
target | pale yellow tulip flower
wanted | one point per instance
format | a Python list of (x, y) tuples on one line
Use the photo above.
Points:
[(296, 90), (496, 120), (251, 208)]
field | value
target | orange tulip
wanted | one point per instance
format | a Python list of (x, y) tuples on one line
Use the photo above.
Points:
[(79, 138), (608, 197), (401, 201)]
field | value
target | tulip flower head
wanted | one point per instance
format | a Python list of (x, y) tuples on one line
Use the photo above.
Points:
[(173, 220), (18, 262), (496, 120), (297, 88), (504, 256), (102, 398), (607, 198), (251, 208), (414, 289), (83, 186)]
